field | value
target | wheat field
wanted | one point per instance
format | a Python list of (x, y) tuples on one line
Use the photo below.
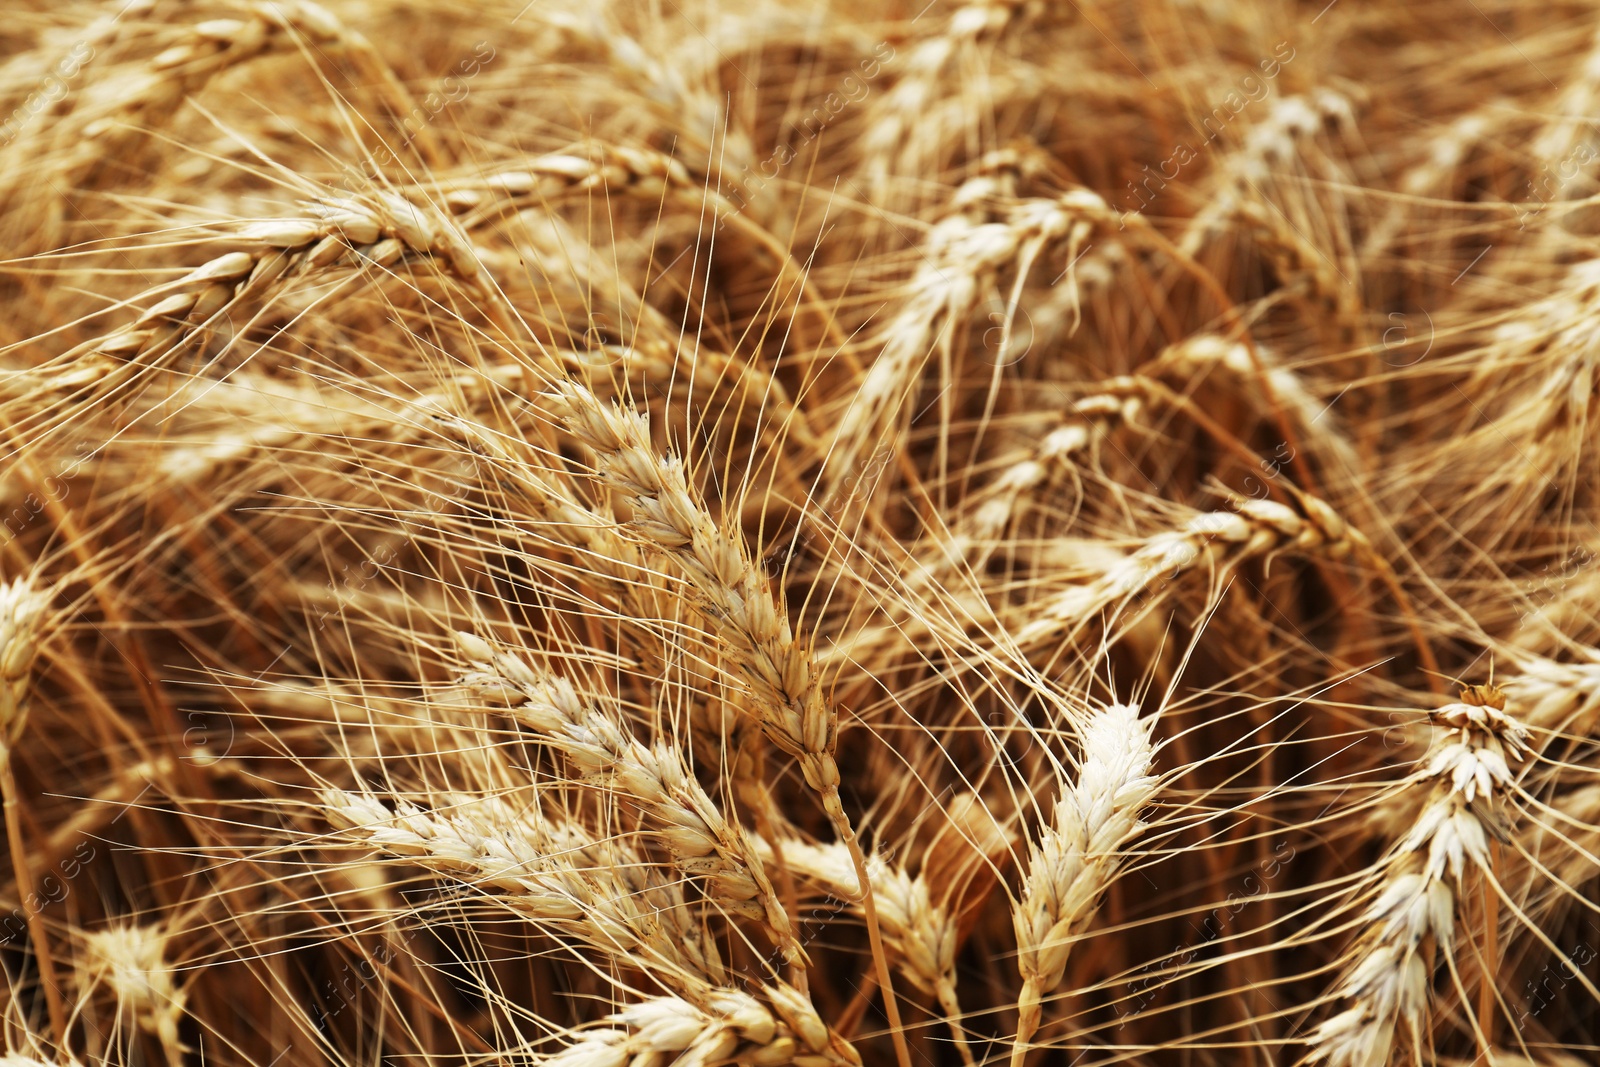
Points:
[(940, 533)]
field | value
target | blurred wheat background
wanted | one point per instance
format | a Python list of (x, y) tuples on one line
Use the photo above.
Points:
[(626, 534)]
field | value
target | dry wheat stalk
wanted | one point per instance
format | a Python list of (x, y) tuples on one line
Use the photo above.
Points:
[(1565, 127), (1078, 853), (1561, 849), (606, 557), (208, 49), (715, 220), (600, 893), (542, 179), (655, 349), (1506, 1058), (984, 517), (1538, 390), (696, 108), (653, 178), (1274, 383)]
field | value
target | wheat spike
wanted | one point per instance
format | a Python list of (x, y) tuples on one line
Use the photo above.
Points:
[(1078, 853), (700, 838), (1469, 777)]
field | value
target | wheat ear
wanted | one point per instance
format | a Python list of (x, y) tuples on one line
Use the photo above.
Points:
[(1226, 538), (134, 966), (1078, 855), (90, 135), (22, 618), (212, 47), (1291, 120), (1555, 695), (554, 874), (920, 933), (639, 173), (1421, 889), (887, 145), (960, 253), (785, 690), (13, 1059), (597, 891), (369, 231), (699, 837), (734, 1027), (1078, 427)]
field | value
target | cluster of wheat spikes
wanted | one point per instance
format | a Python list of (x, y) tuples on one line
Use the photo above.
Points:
[(599, 533)]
